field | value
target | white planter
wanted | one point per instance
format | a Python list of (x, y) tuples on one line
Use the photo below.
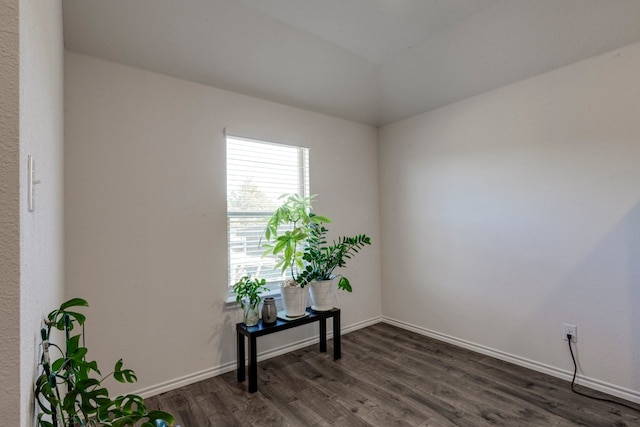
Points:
[(323, 294), (294, 300)]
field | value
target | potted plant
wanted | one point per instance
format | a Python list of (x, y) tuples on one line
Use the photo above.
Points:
[(69, 390), (321, 259), (247, 292), (286, 234), (297, 237)]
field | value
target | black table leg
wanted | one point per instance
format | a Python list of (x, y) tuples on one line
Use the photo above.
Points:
[(253, 332), (253, 365), (240, 356), (337, 349), (323, 335)]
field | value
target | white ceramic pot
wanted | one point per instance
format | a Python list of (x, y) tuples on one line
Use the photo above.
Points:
[(323, 294), (294, 300)]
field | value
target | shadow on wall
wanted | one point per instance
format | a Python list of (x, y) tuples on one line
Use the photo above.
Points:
[(223, 331)]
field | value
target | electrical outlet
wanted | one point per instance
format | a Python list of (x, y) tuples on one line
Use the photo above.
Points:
[(572, 330)]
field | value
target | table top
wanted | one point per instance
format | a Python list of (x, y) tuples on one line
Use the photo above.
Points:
[(280, 325)]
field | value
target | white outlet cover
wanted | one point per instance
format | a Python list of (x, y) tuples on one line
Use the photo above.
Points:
[(567, 329)]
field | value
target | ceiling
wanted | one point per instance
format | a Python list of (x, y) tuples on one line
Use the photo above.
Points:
[(370, 61)]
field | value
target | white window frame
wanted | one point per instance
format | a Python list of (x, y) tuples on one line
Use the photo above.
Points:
[(302, 188)]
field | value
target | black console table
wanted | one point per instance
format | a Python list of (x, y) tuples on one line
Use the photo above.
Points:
[(253, 332)]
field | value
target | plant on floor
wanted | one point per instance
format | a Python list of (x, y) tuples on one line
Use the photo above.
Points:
[(70, 392), (248, 292)]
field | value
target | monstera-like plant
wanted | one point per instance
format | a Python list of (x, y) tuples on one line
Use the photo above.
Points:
[(69, 389)]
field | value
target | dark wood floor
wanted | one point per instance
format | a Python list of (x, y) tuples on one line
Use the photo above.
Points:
[(390, 377)]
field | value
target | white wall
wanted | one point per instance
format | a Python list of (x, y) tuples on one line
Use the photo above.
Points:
[(9, 213), (145, 214), (31, 246), (41, 135), (509, 213)]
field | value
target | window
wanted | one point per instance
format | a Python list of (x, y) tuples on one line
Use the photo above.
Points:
[(258, 173)]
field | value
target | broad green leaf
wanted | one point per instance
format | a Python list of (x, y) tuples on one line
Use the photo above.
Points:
[(55, 367), (94, 367), (86, 383), (73, 344), (43, 423), (344, 284), (75, 302), (125, 375), (124, 422), (80, 353), (281, 243), (79, 317), (318, 219), (70, 399)]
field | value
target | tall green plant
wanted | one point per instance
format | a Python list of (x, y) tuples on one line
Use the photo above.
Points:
[(287, 231), (69, 390), (322, 259)]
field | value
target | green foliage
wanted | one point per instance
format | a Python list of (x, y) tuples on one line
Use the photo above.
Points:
[(297, 237), (249, 289), (69, 390), (287, 231), (322, 259)]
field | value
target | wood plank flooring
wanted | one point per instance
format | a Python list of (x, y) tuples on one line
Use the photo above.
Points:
[(390, 377)]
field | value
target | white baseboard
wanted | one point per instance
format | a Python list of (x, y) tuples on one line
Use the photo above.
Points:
[(612, 389), (230, 366)]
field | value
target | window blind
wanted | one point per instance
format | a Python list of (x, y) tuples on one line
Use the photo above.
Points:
[(258, 173)]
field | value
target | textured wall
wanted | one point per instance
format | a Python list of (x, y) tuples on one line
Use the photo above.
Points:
[(145, 213), (41, 135), (507, 214), (9, 214)]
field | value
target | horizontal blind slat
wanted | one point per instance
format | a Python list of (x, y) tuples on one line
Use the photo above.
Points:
[(258, 173)]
